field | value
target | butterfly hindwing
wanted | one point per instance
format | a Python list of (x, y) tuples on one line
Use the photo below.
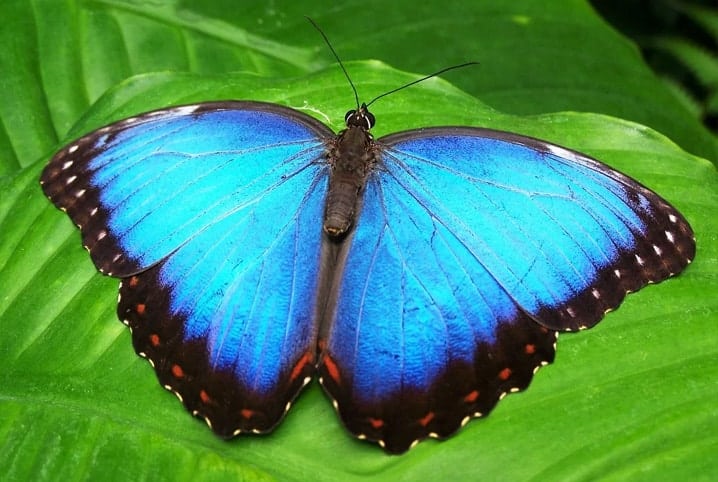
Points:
[(472, 248), (419, 342), (209, 212), (227, 319)]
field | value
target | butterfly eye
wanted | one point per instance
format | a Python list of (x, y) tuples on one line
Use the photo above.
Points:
[(369, 118), (359, 118), (348, 116)]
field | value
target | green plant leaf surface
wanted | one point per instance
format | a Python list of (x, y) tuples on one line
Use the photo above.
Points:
[(633, 398)]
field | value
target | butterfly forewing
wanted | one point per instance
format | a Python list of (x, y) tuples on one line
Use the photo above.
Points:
[(140, 188)]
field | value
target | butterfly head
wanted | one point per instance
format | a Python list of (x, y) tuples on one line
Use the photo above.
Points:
[(360, 117)]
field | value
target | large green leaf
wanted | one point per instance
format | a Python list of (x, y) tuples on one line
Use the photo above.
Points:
[(632, 398)]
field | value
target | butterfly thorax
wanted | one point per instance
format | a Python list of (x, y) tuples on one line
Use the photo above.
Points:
[(350, 157)]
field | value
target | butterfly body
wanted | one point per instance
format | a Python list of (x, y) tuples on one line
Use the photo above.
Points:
[(420, 276)]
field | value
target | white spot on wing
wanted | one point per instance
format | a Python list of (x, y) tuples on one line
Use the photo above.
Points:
[(70, 180), (101, 235), (67, 164), (80, 193), (561, 152), (657, 250), (596, 294), (186, 110), (72, 149), (669, 237), (639, 260), (672, 218)]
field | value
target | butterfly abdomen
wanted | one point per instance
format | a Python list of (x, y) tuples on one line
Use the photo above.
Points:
[(351, 158)]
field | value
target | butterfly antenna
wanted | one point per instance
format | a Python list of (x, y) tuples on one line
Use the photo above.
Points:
[(421, 80), (326, 40)]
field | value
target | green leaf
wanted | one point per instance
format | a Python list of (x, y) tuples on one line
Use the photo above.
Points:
[(701, 63), (632, 398), (704, 15)]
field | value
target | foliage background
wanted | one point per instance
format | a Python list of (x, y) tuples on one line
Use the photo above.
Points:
[(679, 40), (632, 398)]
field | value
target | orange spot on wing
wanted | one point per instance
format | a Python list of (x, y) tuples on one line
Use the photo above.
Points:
[(299, 367), (204, 396), (155, 339), (134, 281), (247, 413), (376, 423), (471, 397), (505, 374), (332, 368), (177, 371), (530, 349), (426, 419), (140, 308)]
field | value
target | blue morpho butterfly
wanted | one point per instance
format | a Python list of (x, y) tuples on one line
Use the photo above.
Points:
[(421, 276)]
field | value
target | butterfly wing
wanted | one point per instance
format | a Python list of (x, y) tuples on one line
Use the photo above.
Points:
[(209, 212), (473, 248)]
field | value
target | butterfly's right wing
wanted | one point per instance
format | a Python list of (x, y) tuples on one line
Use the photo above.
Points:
[(212, 214)]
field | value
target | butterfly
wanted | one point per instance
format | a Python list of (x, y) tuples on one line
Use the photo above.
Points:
[(420, 277)]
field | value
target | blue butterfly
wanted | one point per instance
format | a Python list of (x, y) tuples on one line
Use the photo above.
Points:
[(420, 276)]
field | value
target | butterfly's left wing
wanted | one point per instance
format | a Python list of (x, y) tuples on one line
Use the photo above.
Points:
[(212, 214), (472, 250)]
